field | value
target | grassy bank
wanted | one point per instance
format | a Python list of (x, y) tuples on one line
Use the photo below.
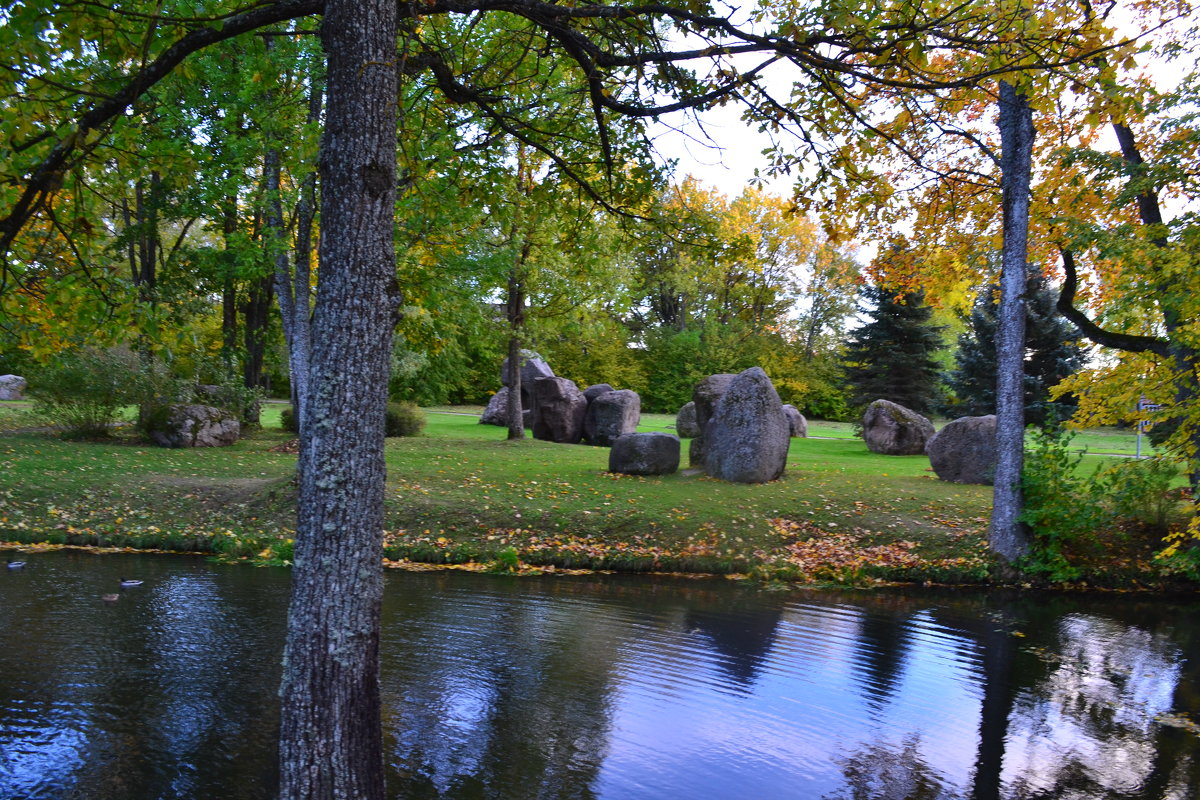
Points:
[(460, 493)]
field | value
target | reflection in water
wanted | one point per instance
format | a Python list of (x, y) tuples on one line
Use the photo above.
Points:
[(1087, 728), (603, 687)]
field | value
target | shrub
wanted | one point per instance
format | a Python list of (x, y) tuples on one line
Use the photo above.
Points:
[(403, 419), (288, 420), (1069, 513), (1059, 507), (1140, 492), (83, 392)]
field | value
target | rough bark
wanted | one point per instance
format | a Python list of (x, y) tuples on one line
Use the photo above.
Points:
[(229, 313), (515, 311), (292, 284), (330, 730), (1008, 537)]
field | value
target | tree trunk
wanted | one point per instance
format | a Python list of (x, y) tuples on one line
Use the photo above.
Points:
[(331, 742), (256, 317), (229, 314), (515, 311), (296, 317), (1008, 537)]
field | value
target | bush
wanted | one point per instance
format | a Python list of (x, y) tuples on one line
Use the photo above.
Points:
[(288, 421), (1070, 514), (84, 391), (1140, 492), (403, 419), (1059, 505)]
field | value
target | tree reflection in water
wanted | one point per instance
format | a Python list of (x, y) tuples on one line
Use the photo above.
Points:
[(607, 687)]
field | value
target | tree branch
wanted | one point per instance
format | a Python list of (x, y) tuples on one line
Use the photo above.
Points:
[(1119, 341)]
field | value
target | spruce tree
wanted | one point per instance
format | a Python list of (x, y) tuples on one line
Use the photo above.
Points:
[(892, 357), (1052, 352)]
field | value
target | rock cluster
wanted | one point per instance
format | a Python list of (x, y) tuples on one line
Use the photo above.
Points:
[(557, 411)]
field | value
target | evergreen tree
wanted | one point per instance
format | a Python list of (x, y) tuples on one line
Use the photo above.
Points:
[(892, 357), (1052, 352)]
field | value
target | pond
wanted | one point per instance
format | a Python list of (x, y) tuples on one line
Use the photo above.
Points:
[(603, 687)]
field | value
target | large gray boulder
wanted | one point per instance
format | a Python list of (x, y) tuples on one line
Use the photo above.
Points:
[(893, 430), (705, 397), (611, 415), (797, 424), (748, 435), (595, 390), (560, 408), (644, 454), (189, 425), (12, 387), (685, 421), (965, 450), (496, 412)]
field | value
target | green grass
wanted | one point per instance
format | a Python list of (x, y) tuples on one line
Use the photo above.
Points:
[(16, 414), (461, 492)]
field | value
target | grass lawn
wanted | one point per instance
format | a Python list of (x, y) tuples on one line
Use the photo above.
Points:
[(461, 493)]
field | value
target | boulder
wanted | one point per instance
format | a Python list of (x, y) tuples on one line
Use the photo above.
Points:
[(644, 454), (796, 421), (560, 408), (748, 435), (685, 421), (893, 430), (12, 387), (496, 412), (705, 397), (532, 368), (965, 450), (188, 425), (611, 415), (595, 390)]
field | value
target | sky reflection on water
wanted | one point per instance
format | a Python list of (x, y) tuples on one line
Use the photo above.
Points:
[(603, 687)]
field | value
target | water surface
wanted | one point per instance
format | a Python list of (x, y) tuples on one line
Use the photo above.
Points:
[(603, 687)]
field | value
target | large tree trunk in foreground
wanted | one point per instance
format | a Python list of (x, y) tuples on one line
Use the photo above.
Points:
[(330, 731), (1008, 537)]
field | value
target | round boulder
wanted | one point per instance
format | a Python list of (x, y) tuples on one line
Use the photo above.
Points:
[(644, 454), (186, 425), (611, 415), (796, 421), (685, 421), (748, 436), (965, 450), (893, 430)]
